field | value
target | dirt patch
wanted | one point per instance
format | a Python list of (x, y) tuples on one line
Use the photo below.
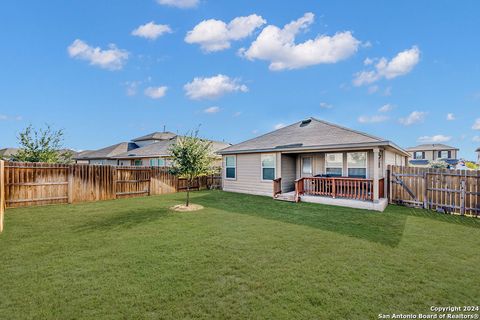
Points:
[(184, 208)]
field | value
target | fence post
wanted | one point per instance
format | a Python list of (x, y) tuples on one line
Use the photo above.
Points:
[(425, 190), (70, 184), (2, 193), (462, 197)]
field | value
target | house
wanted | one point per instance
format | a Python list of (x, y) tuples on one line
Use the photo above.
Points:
[(421, 155), (8, 153), (313, 161), (149, 150), (478, 155)]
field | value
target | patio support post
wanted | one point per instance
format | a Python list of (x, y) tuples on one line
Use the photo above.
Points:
[(376, 173)]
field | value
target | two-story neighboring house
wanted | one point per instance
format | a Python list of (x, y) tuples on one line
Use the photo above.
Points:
[(149, 150), (478, 155), (421, 155)]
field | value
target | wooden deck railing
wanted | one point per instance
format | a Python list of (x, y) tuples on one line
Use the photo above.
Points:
[(350, 188), (277, 186)]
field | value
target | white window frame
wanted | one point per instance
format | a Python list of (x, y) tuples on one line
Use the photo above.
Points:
[(446, 151), (311, 165), (366, 163), (343, 162), (422, 157), (274, 166), (235, 167)]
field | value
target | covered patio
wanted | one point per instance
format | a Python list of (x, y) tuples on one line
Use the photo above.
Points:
[(346, 177)]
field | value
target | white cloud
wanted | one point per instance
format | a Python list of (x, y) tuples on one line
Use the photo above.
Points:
[(237, 114), (412, 118), (476, 139), (279, 126), (325, 105), (212, 110), (401, 64), (215, 35), (213, 87), (450, 117), (131, 88), (3, 117), (151, 30), (372, 119), (386, 108), (434, 139), (183, 4), (279, 48), (388, 91), (156, 92), (368, 61), (476, 125), (111, 58)]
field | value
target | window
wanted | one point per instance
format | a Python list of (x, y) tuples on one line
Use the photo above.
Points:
[(268, 166), (157, 162), (230, 167), (307, 165), (138, 163), (334, 164), (444, 154), (418, 155), (357, 164)]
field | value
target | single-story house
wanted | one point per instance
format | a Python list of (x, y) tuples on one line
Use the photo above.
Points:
[(421, 155), (149, 150), (313, 161)]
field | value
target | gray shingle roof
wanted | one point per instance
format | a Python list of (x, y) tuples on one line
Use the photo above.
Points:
[(431, 147), (478, 150), (161, 149), (307, 134), (156, 136), (108, 152), (8, 152)]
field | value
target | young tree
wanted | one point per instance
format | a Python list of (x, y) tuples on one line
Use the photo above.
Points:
[(42, 145), (192, 158)]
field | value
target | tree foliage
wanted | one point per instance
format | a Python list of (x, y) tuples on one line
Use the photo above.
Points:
[(438, 164), (192, 158), (42, 145)]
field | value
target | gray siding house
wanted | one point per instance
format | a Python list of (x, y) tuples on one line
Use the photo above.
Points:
[(315, 161), (421, 155)]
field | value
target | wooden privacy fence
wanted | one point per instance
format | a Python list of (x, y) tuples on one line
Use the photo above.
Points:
[(31, 184), (449, 191)]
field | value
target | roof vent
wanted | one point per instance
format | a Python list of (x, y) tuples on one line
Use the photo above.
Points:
[(305, 122)]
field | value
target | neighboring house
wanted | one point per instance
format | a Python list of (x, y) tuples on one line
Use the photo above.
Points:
[(314, 161), (478, 155), (150, 150), (8, 153), (420, 156)]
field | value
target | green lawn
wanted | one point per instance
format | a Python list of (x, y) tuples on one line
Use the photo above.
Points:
[(242, 257)]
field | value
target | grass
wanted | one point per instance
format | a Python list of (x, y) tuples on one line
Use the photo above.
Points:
[(242, 257)]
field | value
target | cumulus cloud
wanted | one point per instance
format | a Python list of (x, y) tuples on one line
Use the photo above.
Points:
[(476, 125), (279, 48), (213, 87), (111, 58), (386, 108), (413, 118), (450, 117), (182, 4), (476, 139), (212, 110), (215, 35), (279, 126), (151, 30), (434, 139), (372, 119), (401, 64), (156, 92)]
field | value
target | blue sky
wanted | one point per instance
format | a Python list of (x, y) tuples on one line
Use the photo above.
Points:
[(81, 66)]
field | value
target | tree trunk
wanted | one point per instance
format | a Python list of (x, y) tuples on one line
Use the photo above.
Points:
[(188, 192)]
